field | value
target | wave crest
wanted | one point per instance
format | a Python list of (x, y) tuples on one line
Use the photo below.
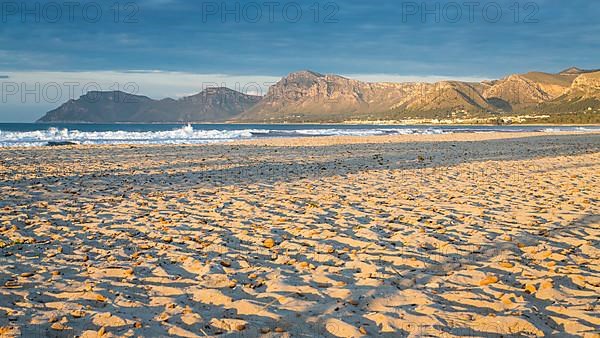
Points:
[(190, 135)]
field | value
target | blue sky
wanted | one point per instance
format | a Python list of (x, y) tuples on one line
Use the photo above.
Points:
[(384, 40)]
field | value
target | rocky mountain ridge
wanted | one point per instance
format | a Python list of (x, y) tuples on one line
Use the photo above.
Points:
[(308, 96), (213, 104)]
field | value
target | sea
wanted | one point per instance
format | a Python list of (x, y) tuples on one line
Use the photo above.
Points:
[(35, 134)]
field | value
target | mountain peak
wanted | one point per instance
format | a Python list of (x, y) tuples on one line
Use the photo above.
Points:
[(577, 71), (571, 71), (109, 95), (220, 92), (305, 73), (218, 89)]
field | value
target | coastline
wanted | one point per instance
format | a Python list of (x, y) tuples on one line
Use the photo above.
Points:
[(30, 135), (322, 140), (341, 236), (376, 123)]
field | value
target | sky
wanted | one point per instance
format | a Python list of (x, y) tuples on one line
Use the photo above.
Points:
[(172, 48)]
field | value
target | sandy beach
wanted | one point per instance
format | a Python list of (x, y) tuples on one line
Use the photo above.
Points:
[(476, 235)]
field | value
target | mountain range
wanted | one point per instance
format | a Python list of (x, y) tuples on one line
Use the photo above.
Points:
[(213, 104), (308, 96)]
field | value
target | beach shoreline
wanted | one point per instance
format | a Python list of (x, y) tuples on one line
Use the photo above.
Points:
[(319, 139), (31, 135), (463, 234)]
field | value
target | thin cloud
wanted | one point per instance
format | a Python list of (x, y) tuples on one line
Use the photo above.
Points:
[(142, 71)]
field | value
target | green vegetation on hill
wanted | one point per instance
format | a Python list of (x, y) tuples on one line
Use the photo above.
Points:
[(568, 118), (562, 106)]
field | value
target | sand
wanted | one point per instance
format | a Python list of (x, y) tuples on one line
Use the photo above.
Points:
[(419, 235)]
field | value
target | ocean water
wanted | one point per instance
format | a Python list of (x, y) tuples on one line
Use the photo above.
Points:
[(31, 134)]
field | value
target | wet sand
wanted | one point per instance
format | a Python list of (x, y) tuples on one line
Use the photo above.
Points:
[(415, 235)]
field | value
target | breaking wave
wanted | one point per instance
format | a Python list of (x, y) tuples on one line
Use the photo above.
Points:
[(209, 134)]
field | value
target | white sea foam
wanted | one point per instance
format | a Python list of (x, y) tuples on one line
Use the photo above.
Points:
[(185, 135), (576, 129), (204, 134), (367, 132)]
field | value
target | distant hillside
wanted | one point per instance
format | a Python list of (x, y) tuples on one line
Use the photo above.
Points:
[(583, 96), (211, 105), (306, 96)]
